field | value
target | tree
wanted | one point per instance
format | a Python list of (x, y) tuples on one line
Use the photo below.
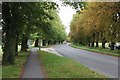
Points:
[(16, 19), (11, 27), (98, 22)]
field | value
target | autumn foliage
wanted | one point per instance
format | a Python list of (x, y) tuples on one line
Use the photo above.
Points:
[(98, 22)]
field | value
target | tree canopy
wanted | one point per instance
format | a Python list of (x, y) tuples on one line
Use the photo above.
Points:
[(97, 22), (22, 21)]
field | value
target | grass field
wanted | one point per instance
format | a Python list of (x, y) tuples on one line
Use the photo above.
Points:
[(98, 50), (14, 71), (61, 67)]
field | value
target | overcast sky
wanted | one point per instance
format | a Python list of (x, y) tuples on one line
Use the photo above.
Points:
[(66, 14)]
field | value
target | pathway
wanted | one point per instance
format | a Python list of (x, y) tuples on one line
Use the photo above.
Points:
[(51, 50), (32, 67)]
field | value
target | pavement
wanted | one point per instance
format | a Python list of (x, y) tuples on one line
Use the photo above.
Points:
[(32, 68), (101, 63), (51, 50)]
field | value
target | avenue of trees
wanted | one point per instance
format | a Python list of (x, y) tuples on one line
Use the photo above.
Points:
[(97, 22), (24, 21)]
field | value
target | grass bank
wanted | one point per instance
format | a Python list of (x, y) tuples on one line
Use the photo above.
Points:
[(61, 67), (14, 71), (106, 51)]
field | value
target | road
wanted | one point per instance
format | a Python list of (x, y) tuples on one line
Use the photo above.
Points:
[(103, 64)]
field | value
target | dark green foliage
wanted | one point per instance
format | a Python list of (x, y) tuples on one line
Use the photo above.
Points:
[(20, 21)]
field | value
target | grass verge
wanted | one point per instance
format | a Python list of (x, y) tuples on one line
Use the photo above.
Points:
[(106, 51), (61, 67), (14, 71)]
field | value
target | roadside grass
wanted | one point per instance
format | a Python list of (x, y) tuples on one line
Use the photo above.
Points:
[(106, 51), (61, 67), (14, 71)]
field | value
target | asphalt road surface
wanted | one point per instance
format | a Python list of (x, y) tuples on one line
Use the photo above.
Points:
[(103, 64)]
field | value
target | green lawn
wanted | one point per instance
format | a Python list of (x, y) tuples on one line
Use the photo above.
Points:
[(98, 50), (14, 71), (61, 67)]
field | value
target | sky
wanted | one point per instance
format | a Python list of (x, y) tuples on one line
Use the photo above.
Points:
[(66, 14)]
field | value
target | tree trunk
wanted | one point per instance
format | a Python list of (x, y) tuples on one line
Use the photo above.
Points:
[(36, 42), (16, 48), (9, 41), (112, 46), (49, 42), (89, 44), (103, 44), (92, 44), (97, 45), (24, 45), (44, 42), (16, 45), (54, 42)]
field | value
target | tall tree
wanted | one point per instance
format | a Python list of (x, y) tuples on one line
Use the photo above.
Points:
[(98, 22), (19, 18)]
